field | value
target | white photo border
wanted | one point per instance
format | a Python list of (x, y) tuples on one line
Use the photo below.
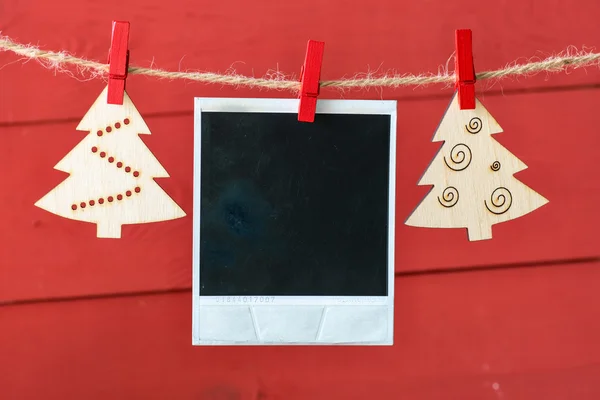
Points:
[(274, 105)]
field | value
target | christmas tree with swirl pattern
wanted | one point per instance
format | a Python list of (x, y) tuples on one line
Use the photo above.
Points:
[(473, 180)]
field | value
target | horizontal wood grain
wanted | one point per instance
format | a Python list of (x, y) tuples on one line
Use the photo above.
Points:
[(517, 333)]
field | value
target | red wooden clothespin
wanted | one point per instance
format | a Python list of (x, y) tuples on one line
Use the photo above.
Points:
[(465, 70), (309, 81), (118, 59)]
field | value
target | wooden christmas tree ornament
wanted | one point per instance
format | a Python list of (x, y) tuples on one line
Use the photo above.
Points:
[(111, 170), (111, 173), (472, 173)]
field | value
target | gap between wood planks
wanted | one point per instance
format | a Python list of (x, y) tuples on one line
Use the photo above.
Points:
[(408, 98), (432, 271)]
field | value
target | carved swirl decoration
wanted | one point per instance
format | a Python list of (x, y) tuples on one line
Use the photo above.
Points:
[(449, 197), (501, 201), (474, 125), (495, 166), (460, 156)]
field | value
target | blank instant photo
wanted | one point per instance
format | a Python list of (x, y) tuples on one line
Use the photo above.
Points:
[(293, 222)]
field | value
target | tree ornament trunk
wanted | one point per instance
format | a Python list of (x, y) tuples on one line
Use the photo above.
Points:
[(480, 232), (108, 230)]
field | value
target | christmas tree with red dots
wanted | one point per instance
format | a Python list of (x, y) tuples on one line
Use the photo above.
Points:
[(112, 173)]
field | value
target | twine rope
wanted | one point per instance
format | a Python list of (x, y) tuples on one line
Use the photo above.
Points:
[(571, 58)]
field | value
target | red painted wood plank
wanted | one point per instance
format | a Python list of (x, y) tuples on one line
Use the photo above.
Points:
[(541, 144), (44, 255), (47, 256), (516, 333), (380, 37)]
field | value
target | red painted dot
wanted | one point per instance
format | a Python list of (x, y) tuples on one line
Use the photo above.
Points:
[(94, 149), (119, 197), (99, 133), (110, 199), (127, 169), (137, 189), (74, 207), (82, 205), (111, 159), (126, 121), (128, 193), (119, 164), (92, 202), (108, 129), (102, 154), (136, 174), (117, 125), (100, 200)]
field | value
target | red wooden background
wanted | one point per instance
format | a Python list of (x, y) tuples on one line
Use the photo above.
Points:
[(517, 317)]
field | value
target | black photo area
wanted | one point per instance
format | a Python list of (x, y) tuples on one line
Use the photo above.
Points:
[(293, 208)]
